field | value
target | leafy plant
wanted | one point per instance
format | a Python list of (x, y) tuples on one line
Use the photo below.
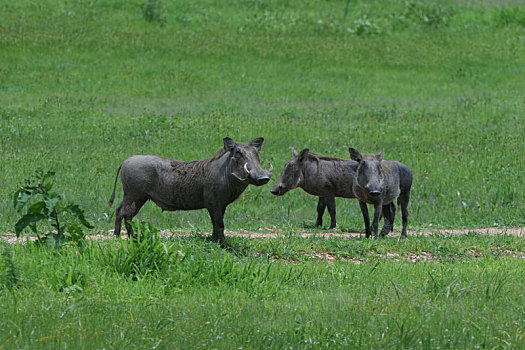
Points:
[(37, 203)]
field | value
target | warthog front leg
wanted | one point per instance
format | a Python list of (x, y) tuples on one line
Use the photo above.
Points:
[(321, 205), (389, 214), (217, 220), (366, 218), (378, 209)]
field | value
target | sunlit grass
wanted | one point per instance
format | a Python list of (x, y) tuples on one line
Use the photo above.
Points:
[(438, 85), (80, 97), (266, 292)]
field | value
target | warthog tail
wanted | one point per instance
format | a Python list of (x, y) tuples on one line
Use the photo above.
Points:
[(114, 187)]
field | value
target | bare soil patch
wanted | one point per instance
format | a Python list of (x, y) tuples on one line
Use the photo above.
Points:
[(275, 232)]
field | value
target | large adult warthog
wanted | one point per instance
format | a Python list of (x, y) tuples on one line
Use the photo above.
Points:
[(380, 182), (318, 175), (175, 185)]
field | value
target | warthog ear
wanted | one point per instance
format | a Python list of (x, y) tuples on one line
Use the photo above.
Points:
[(380, 155), (303, 155), (294, 152), (354, 154), (229, 144), (257, 143)]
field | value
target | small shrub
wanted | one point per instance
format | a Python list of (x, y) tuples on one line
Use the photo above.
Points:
[(428, 15), (42, 205), (144, 255), (153, 11), (511, 16), (365, 26)]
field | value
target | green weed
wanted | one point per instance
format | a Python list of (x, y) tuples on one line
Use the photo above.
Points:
[(41, 204)]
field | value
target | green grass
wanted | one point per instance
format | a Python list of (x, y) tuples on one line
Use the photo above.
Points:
[(438, 85), (84, 87), (209, 297)]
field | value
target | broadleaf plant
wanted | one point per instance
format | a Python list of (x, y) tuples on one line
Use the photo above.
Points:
[(37, 203)]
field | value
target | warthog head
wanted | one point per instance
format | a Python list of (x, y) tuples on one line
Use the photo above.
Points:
[(292, 175), (245, 163), (369, 174)]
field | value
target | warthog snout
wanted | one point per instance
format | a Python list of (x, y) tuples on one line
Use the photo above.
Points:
[(259, 176), (277, 189), (375, 192), (262, 180)]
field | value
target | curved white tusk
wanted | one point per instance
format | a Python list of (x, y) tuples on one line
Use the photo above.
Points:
[(271, 168), (246, 168), (238, 178)]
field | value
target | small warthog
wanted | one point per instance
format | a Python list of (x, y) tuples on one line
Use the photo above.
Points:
[(380, 182), (175, 185), (325, 177)]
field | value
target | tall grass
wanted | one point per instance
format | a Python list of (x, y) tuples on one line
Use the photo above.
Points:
[(209, 297)]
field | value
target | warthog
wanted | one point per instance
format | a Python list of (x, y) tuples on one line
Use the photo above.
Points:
[(318, 175), (380, 182), (175, 185)]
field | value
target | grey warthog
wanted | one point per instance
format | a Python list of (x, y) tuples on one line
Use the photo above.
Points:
[(175, 185), (380, 182), (318, 175)]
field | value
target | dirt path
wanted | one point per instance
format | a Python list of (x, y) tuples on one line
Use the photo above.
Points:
[(515, 231), (275, 232)]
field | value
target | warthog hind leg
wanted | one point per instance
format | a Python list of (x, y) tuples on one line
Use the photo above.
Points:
[(403, 200), (126, 211), (330, 202)]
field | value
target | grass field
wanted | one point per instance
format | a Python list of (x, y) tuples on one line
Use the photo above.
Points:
[(437, 84), (427, 292)]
